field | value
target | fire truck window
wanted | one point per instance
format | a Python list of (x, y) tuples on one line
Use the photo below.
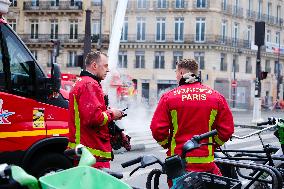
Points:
[(20, 60)]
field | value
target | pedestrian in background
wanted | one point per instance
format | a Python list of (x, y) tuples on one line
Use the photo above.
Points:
[(192, 109), (89, 116)]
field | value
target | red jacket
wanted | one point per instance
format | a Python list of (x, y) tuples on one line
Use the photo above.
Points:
[(189, 110), (89, 117)]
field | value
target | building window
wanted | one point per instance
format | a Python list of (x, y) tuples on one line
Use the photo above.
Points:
[(161, 4), (224, 5), (140, 59), (200, 30), (259, 9), (268, 36), (201, 3), (34, 52), (141, 27), (54, 2), (177, 55), (277, 37), (161, 29), (71, 59), (267, 66), (250, 5), (54, 29), (34, 29), (236, 7), (13, 24), (124, 32), (179, 25), (278, 13), (13, 3), (122, 59), (235, 67), (35, 3), (159, 60), (95, 27), (269, 6), (248, 36), (199, 57), (141, 4), (235, 34), (223, 63), (248, 65), (73, 29), (224, 31), (179, 4)]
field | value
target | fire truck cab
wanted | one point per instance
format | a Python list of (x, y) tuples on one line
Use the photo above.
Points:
[(33, 114)]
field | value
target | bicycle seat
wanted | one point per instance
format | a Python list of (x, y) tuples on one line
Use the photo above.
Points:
[(113, 173)]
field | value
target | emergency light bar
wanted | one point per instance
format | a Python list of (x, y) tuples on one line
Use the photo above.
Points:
[(4, 6)]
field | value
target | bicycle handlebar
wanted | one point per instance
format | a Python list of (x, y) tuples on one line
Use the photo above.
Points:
[(131, 162), (205, 135)]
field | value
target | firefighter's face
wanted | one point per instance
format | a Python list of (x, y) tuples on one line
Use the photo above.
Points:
[(101, 68)]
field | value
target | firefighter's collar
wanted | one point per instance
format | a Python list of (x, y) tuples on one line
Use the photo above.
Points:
[(86, 73)]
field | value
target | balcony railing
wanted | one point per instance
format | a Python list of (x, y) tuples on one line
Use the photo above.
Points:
[(237, 11), (50, 5), (226, 8), (251, 15), (63, 38), (201, 5), (93, 3), (134, 5), (176, 5), (191, 39)]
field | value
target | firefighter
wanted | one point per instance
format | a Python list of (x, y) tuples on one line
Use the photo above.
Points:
[(89, 116), (192, 109)]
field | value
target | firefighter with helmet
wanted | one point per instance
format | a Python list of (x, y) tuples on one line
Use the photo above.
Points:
[(192, 109)]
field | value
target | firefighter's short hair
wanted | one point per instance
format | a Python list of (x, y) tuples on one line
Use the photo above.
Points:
[(188, 64), (94, 56)]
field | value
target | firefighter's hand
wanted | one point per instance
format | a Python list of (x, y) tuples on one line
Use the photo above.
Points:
[(117, 114)]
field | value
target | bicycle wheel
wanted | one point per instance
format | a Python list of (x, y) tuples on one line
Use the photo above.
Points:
[(262, 185)]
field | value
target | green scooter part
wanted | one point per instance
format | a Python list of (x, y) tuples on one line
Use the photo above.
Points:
[(19, 175)]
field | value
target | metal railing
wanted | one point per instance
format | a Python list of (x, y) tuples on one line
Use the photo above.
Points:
[(135, 6), (238, 11), (226, 8), (51, 5), (63, 38), (191, 39)]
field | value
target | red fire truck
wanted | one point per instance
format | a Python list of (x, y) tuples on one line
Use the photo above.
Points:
[(33, 113)]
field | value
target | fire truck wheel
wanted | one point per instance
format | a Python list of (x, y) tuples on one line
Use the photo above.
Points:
[(47, 163)]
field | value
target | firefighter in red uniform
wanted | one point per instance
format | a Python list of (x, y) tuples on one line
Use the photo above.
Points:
[(89, 116), (192, 109)]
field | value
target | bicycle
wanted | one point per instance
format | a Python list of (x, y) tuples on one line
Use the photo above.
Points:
[(174, 168), (269, 155), (82, 176)]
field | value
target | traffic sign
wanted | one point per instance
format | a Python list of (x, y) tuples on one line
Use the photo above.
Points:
[(234, 83)]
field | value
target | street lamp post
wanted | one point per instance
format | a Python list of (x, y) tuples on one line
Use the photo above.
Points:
[(278, 64), (234, 80), (101, 18)]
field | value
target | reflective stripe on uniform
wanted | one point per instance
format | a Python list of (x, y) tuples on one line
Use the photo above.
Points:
[(210, 157), (95, 152), (105, 119), (218, 140), (175, 125), (77, 122), (164, 142)]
